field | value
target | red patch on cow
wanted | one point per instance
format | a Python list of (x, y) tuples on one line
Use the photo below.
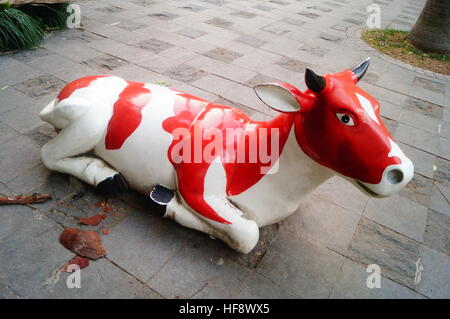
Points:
[(199, 116), (81, 262), (93, 220), (127, 114), (77, 84)]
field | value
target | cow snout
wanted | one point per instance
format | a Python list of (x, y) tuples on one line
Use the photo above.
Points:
[(395, 176)]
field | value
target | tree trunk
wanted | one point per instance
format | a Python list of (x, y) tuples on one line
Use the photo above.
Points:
[(431, 32)]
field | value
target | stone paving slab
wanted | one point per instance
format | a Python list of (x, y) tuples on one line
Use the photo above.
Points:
[(218, 50)]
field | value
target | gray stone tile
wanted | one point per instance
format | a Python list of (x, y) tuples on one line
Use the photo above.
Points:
[(185, 73), (321, 221), (251, 41), (59, 186), (436, 274), (29, 180), (219, 22), (15, 72), (11, 98), (15, 218), (223, 54), (6, 133), (130, 25), (437, 233), (191, 33), (275, 29), (260, 79), (148, 293), (199, 270), (391, 125), (320, 8), (445, 130), (330, 37), (40, 86), (343, 193), (259, 287), (155, 45), (442, 175), (394, 253), (418, 120), (296, 22), (423, 161), (110, 9), (353, 21), (423, 107), (444, 148), (352, 284), (243, 14), (400, 214), (251, 260), (293, 64), (280, 2), (30, 244), (264, 7), (42, 134), (417, 138), (25, 118), (143, 243), (105, 63), (7, 293), (17, 155), (418, 190), (308, 14), (305, 268), (31, 54), (314, 50), (429, 85), (193, 7), (339, 27)]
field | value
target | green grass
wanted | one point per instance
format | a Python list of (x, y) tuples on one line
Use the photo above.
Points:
[(389, 39), (18, 30), (24, 27)]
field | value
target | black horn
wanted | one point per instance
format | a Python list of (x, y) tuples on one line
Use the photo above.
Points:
[(314, 82), (361, 69)]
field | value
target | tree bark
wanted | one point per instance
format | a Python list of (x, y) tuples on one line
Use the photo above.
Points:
[(431, 32)]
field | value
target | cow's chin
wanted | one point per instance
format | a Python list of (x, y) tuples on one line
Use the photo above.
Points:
[(393, 180)]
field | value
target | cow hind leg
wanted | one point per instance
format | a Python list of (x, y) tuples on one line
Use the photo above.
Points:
[(239, 236), (66, 153)]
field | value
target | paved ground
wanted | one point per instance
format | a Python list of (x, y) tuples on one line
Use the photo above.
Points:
[(218, 49)]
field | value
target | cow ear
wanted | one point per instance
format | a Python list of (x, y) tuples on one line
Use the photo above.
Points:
[(277, 97), (283, 97)]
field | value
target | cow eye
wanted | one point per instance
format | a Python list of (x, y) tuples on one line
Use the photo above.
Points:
[(345, 119)]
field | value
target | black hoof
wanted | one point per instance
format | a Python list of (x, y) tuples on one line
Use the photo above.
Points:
[(112, 185), (161, 196)]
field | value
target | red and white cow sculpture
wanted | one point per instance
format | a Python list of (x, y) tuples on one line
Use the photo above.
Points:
[(114, 131)]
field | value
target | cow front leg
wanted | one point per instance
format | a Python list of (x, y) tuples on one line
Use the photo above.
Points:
[(65, 152), (242, 234)]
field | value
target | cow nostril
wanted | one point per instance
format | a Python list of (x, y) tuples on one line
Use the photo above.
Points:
[(394, 176)]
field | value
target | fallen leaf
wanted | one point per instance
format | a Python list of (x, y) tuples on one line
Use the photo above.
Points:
[(93, 220), (83, 243), (81, 262), (104, 204), (105, 231)]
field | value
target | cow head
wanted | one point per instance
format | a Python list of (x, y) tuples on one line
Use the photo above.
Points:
[(338, 125)]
